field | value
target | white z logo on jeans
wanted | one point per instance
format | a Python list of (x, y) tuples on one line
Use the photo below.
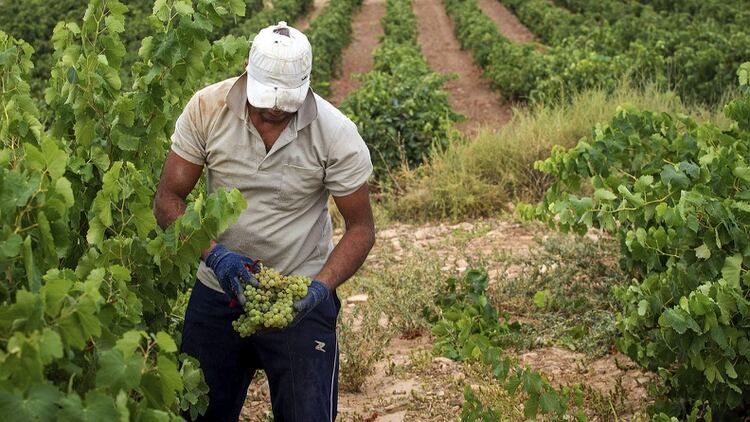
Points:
[(319, 346)]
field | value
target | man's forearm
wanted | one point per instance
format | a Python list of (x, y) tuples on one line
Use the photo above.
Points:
[(348, 255)]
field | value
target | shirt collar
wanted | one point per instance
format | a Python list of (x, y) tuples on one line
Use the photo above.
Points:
[(236, 99)]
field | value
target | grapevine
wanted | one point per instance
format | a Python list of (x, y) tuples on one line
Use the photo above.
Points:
[(90, 278), (675, 193), (271, 304)]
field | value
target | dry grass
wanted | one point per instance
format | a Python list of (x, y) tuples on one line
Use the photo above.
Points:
[(362, 341), (480, 177)]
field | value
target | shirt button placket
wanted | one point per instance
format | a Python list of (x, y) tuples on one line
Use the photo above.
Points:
[(258, 150)]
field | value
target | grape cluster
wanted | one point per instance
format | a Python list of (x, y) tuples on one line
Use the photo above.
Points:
[(270, 305)]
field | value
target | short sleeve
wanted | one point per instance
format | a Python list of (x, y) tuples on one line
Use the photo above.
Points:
[(349, 165), (188, 139)]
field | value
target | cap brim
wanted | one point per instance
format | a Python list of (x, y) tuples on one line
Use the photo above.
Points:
[(285, 99)]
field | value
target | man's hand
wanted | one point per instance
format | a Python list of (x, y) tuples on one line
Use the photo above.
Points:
[(317, 292), (230, 268)]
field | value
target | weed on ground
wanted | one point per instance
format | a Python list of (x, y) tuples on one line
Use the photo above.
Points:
[(561, 294)]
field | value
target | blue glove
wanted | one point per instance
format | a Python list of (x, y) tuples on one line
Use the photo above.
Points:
[(230, 268), (317, 292)]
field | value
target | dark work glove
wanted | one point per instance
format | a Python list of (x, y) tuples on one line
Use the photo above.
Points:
[(317, 292), (231, 268)]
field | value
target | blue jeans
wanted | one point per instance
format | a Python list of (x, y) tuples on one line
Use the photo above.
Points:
[(301, 362)]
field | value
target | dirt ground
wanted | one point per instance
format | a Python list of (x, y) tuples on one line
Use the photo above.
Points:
[(357, 57), (507, 23), (410, 384), (614, 374), (457, 246)]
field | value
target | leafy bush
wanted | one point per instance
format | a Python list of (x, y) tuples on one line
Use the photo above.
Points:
[(675, 193), (91, 280)]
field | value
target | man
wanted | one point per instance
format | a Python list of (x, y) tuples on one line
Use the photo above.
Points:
[(286, 149)]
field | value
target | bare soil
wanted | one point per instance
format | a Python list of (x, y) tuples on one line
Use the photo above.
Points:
[(469, 94), (435, 383), (357, 57), (385, 395), (507, 23), (313, 13)]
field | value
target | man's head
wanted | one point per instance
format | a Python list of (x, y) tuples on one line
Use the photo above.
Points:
[(278, 69)]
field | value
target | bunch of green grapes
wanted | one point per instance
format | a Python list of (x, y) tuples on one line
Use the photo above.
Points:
[(271, 304)]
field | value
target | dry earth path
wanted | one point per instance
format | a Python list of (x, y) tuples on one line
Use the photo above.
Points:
[(507, 23), (357, 57), (304, 22), (411, 384), (469, 95)]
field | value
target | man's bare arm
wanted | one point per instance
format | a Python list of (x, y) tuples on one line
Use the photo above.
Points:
[(178, 178), (352, 249)]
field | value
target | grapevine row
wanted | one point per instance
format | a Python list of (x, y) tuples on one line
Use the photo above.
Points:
[(90, 278), (601, 47), (695, 52), (729, 11), (509, 66), (401, 109), (676, 195), (526, 71)]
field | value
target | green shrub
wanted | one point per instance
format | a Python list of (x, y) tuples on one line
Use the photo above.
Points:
[(675, 194)]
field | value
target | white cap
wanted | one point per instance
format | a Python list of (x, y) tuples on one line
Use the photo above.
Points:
[(278, 68)]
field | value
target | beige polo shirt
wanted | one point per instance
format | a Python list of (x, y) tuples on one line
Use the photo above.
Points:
[(286, 224)]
